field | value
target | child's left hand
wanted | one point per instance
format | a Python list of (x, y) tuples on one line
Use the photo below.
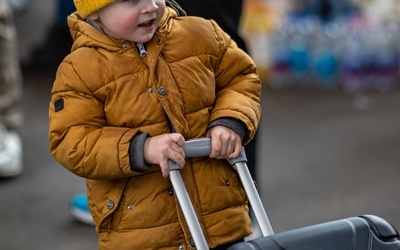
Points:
[(225, 143)]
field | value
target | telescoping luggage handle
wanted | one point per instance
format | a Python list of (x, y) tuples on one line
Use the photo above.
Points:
[(202, 147)]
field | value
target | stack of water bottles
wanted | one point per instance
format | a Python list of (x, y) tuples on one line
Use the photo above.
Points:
[(344, 50)]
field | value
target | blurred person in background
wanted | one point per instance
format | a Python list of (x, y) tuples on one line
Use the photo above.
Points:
[(227, 16), (57, 44), (10, 93)]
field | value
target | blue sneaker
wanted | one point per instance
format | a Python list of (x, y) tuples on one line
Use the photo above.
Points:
[(79, 209)]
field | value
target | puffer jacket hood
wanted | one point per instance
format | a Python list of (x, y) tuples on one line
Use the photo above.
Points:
[(105, 93)]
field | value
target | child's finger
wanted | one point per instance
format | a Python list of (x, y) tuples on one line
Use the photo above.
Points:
[(236, 152), (178, 139), (216, 145), (164, 168)]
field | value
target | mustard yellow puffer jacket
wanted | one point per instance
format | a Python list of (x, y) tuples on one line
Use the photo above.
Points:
[(105, 93)]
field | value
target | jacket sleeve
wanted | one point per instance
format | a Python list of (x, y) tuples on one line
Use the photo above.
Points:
[(80, 139), (238, 85)]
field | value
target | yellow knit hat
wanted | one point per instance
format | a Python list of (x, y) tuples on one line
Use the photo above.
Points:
[(88, 7)]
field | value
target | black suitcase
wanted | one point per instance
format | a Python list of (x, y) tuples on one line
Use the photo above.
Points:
[(367, 232), (355, 233)]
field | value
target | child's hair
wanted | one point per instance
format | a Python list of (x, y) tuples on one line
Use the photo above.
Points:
[(87, 7)]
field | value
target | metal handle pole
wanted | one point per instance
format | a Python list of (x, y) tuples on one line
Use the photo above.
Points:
[(187, 206), (254, 198)]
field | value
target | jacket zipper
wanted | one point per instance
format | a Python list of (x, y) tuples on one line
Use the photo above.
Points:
[(141, 49), (142, 52)]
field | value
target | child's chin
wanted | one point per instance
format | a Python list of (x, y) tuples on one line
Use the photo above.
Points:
[(145, 38)]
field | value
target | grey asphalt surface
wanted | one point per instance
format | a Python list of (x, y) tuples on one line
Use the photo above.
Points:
[(321, 156)]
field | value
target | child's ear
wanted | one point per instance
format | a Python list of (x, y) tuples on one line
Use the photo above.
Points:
[(94, 16)]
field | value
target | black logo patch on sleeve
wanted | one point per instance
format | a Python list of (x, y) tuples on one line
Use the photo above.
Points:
[(59, 105)]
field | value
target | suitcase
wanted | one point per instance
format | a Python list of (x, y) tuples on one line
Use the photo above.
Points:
[(355, 233), (367, 232)]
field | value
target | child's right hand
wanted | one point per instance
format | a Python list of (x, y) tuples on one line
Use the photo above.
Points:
[(159, 149)]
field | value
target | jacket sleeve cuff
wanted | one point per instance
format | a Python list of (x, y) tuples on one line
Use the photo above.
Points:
[(136, 153), (236, 125)]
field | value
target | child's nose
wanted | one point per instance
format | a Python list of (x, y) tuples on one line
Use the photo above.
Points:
[(150, 6)]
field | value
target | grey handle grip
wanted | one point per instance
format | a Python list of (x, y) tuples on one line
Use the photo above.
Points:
[(202, 147), (197, 147), (193, 148)]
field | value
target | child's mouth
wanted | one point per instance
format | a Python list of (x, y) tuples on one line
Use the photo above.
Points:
[(147, 24)]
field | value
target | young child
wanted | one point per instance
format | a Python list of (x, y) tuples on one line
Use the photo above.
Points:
[(140, 80)]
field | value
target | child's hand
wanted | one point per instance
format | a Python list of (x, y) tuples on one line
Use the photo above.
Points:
[(159, 149), (225, 143)]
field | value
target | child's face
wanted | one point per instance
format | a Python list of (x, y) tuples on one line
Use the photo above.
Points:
[(133, 20)]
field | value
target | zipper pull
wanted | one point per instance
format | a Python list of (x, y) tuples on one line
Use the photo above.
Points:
[(141, 49)]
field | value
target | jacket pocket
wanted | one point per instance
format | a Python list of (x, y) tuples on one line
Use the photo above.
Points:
[(148, 201)]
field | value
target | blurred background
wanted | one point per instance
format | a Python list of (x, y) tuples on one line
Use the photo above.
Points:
[(351, 45), (329, 139)]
